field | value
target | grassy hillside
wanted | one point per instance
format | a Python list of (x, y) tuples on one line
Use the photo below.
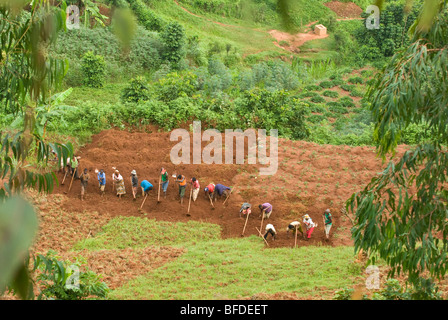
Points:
[(213, 268)]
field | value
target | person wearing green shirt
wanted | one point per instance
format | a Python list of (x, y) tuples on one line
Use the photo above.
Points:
[(165, 181), (74, 166), (328, 222)]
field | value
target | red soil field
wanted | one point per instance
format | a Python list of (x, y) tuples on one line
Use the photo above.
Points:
[(310, 179)]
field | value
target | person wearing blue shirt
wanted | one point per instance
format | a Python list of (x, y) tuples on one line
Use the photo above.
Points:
[(146, 187), (221, 190), (102, 181)]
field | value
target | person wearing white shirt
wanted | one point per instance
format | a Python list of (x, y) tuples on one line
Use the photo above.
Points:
[(310, 225), (270, 230)]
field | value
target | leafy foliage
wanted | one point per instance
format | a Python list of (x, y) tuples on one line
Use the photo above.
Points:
[(401, 214), (28, 74), (63, 280), (94, 69), (136, 91), (174, 39)]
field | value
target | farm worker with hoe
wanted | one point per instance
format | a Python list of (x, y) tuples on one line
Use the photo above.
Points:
[(134, 183), (310, 225), (119, 183), (84, 181), (245, 209), (102, 181), (182, 186), (165, 181), (195, 185), (292, 227), (209, 191), (146, 187), (328, 222), (220, 190), (74, 166), (270, 230), (266, 210)]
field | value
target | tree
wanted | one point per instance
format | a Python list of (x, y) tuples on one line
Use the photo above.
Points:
[(402, 214), (27, 75), (174, 38)]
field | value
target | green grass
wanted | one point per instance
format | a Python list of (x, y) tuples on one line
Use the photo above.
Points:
[(237, 268), (213, 268), (135, 232), (110, 94)]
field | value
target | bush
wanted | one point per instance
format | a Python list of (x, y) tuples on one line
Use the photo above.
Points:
[(313, 87), (145, 51), (338, 109), (308, 94), (316, 118), (346, 102), (331, 94), (327, 84), (356, 93), (94, 69), (136, 91), (173, 38), (355, 80), (146, 16), (317, 99), (316, 108), (333, 104), (176, 85), (221, 77), (55, 274), (347, 87)]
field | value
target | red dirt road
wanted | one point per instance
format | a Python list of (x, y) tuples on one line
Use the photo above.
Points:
[(310, 179)]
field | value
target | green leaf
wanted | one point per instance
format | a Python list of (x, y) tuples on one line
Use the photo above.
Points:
[(18, 226)]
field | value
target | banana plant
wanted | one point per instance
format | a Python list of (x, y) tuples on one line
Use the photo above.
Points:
[(53, 108), (91, 10)]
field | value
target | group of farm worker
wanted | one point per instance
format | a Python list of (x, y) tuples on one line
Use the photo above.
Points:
[(211, 191), (295, 226)]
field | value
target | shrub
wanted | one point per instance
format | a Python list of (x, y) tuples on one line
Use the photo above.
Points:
[(313, 87), (281, 77), (346, 102), (146, 16), (316, 118), (317, 99), (347, 87), (327, 84), (316, 108), (176, 85), (333, 104), (136, 91), (220, 74), (308, 94), (355, 80), (356, 93), (338, 109), (173, 38), (146, 51), (331, 94), (337, 82), (55, 274), (94, 69)]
